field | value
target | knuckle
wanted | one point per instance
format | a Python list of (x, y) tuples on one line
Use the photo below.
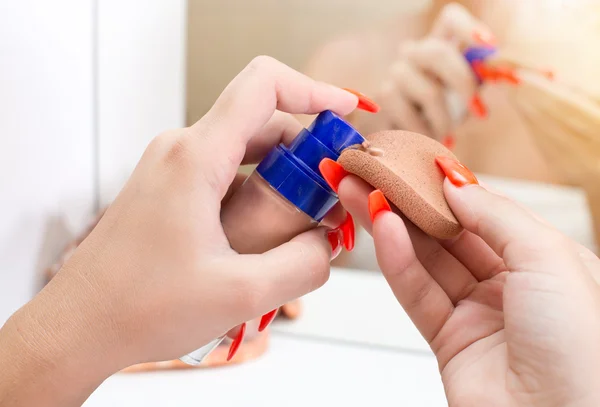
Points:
[(451, 10), (262, 63)]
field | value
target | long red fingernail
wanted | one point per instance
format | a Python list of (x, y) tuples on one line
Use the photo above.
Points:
[(332, 172), (267, 319), (477, 107), (449, 141), (335, 238), (364, 102), (235, 345), (509, 75), (377, 204), (457, 173), (348, 232), (484, 38)]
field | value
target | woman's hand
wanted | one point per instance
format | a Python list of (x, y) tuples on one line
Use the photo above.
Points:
[(511, 307), (157, 278), (416, 94)]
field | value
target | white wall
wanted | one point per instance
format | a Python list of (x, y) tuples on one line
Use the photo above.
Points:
[(84, 84), (141, 82)]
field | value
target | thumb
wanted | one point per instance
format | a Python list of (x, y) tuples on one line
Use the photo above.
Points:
[(510, 230), (286, 272)]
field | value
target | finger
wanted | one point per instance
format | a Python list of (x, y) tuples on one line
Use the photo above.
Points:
[(335, 216), (250, 100), (425, 302), (512, 233), (281, 128), (454, 278), (440, 59), (404, 114), (481, 261), (455, 23), (354, 195), (426, 92), (265, 282)]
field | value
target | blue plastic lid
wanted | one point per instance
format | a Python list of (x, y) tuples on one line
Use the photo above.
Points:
[(293, 171), (478, 54)]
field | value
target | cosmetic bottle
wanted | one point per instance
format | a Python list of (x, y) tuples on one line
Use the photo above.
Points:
[(285, 196)]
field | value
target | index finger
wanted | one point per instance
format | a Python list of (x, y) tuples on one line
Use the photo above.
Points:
[(456, 24), (250, 100)]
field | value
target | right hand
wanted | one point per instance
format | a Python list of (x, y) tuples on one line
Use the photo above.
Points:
[(510, 307), (414, 95)]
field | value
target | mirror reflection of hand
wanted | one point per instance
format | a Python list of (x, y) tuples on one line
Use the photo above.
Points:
[(511, 307), (414, 94)]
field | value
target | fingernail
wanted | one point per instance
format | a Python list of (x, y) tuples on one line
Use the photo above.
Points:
[(477, 107), (377, 204), (235, 345), (457, 173), (266, 320), (484, 38), (335, 240), (332, 172), (348, 232), (509, 75), (364, 102), (449, 141)]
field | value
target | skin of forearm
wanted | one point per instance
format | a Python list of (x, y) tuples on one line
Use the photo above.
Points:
[(52, 352)]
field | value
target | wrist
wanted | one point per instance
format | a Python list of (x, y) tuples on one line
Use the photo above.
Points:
[(51, 350)]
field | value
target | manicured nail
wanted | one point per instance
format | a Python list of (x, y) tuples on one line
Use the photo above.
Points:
[(449, 141), (484, 38), (509, 75), (332, 172), (235, 345), (364, 102), (377, 204), (348, 232), (477, 107), (267, 319), (457, 173), (335, 238)]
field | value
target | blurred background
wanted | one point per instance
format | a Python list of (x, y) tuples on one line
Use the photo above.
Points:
[(86, 84)]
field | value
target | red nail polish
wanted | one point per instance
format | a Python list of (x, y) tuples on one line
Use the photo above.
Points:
[(484, 38), (332, 172), (235, 345), (457, 173), (477, 107), (348, 232), (335, 240), (509, 75), (267, 319), (377, 204), (364, 102), (449, 142)]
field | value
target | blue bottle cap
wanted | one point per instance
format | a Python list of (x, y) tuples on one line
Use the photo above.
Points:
[(478, 54), (293, 171)]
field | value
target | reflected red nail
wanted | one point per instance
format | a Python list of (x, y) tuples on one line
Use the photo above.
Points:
[(348, 232), (377, 204), (484, 38), (364, 102), (477, 107), (335, 238), (449, 141), (332, 172), (235, 345), (267, 319)]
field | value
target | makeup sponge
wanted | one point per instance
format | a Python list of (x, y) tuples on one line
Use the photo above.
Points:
[(402, 165)]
